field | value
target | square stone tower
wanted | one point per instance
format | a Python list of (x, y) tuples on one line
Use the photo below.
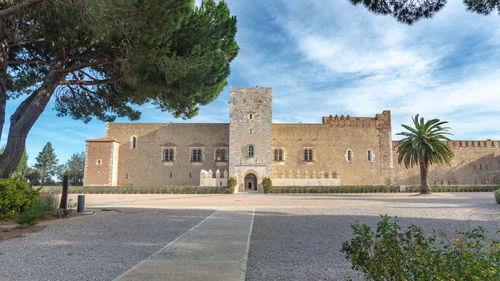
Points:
[(250, 136)]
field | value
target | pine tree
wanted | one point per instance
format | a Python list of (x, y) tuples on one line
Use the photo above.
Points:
[(100, 58), (410, 11), (46, 163), (74, 168)]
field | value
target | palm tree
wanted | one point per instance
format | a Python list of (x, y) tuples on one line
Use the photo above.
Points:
[(424, 145)]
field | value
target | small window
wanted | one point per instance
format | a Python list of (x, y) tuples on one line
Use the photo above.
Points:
[(170, 174), (98, 162), (250, 151), (250, 132), (349, 155), (98, 174), (250, 116), (134, 142), (196, 155), (220, 155), (308, 155), (168, 154), (369, 156), (126, 176), (278, 154)]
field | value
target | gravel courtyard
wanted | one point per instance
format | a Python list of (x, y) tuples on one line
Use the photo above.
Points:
[(304, 243), (97, 247), (294, 237)]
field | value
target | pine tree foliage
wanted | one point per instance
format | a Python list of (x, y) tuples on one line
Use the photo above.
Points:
[(100, 58), (74, 168), (46, 163), (410, 11)]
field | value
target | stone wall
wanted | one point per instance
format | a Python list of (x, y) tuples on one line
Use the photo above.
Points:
[(101, 158), (250, 124), (475, 162), (330, 142), (145, 165)]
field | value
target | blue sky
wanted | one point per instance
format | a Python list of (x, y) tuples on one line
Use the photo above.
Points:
[(329, 57)]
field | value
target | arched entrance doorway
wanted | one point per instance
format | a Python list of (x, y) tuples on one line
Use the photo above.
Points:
[(250, 182)]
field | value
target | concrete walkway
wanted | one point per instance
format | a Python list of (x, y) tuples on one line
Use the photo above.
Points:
[(214, 249)]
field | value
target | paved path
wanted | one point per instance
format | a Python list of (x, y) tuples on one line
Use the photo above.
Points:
[(214, 249), (256, 200)]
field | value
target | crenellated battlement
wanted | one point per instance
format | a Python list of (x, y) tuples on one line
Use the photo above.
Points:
[(465, 144), (380, 121)]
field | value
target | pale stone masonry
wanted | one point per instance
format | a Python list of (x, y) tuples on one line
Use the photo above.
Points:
[(341, 150)]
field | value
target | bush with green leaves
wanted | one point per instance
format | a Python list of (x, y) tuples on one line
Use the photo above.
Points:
[(390, 254), (267, 185), (42, 209), (231, 184), (15, 197), (497, 195)]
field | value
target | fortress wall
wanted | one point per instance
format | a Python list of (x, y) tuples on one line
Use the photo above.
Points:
[(99, 162), (475, 162), (330, 142), (144, 165)]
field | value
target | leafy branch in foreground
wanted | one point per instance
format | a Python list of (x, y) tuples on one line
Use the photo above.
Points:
[(390, 254)]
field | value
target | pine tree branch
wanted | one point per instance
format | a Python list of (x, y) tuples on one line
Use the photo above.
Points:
[(17, 8)]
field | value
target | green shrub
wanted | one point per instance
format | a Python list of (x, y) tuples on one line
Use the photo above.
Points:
[(43, 208), (231, 184), (497, 195), (388, 254), (15, 197), (267, 185)]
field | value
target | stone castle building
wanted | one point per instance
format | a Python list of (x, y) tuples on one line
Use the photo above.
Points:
[(341, 150)]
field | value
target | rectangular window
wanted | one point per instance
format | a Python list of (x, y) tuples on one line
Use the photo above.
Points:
[(168, 155), (280, 155), (220, 155), (308, 155), (196, 157)]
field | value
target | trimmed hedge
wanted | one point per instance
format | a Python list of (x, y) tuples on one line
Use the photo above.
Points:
[(335, 189), (378, 189), (136, 190), (497, 195), (456, 188), (231, 184), (16, 197), (267, 185)]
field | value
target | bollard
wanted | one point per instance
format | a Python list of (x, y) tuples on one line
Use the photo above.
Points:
[(81, 204)]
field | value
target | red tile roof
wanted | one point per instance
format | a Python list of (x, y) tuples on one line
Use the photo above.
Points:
[(102, 140)]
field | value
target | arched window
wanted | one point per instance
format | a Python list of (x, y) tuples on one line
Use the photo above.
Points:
[(278, 154), (349, 155), (308, 154), (250, 150), (369, 156)]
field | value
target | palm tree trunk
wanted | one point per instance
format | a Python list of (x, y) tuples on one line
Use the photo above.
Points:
[(424, 184)]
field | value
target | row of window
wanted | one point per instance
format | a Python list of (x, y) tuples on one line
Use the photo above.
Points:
[(220, 154), (308, 155), (196, 155)]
